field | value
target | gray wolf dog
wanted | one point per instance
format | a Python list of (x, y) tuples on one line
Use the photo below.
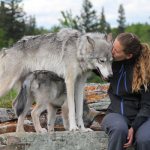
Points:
[(49, 92), (68, 53)]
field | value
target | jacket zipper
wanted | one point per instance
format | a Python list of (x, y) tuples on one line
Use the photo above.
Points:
[(122, 106), (123, 73)]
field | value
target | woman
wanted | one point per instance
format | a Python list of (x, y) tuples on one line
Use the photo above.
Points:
[(128, 116)]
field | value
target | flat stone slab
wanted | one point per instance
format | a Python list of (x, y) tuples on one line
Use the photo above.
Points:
[(54, 141), (95, 140)]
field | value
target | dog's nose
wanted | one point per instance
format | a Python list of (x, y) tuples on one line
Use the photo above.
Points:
[(108, 78), (110, 75)]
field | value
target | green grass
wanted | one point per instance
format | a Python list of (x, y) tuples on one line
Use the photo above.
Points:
[(95, 79), (6, 101)]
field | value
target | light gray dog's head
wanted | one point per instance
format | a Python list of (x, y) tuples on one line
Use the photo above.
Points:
[(95, 53)]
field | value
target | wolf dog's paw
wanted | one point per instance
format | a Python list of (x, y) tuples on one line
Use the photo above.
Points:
[(86, 129), (50, 130), (73, 128), (42, 130)]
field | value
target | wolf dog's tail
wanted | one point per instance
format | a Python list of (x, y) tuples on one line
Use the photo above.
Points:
[(21, 100)]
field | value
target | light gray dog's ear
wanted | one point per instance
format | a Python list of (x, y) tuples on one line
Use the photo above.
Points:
[(109, 37), (91, 42), (85, 47)]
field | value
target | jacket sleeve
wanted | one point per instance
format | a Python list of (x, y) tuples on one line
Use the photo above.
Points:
[(138, 122), (144, 111), (145, 103)]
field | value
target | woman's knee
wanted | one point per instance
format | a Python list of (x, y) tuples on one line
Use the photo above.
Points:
[(142, 135), (115, 123), (142, 138), (120, 127)]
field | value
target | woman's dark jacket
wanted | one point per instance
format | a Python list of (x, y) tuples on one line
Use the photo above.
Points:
[(134, 106)]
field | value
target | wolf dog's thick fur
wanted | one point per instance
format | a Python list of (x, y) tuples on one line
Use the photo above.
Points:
[(49, 92), (68, 53)]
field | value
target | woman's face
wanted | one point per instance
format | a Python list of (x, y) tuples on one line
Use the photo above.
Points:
[(118, 53)]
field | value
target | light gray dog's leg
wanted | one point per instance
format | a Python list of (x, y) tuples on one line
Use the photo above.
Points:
[(39, 108), (70, 85), (51, 117), (79, 95), (65, 112), (20, 123)]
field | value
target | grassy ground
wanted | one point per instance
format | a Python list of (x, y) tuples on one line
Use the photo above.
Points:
[(6, 101)]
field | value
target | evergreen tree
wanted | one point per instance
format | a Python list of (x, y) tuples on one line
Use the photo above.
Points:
[(87, 21), (2, 37), (3, 16), (4, 20), (15, 23), (104, 26), (68, 20), (30, 27), (55, 29), (88, 18), (141, 30), (121, 20)]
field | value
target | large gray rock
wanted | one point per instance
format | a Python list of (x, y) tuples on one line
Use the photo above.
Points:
[(7, 114), (101, 105), (54, 141), (96, 140)]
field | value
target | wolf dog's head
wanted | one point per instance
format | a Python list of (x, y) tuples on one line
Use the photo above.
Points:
[(94, 52)]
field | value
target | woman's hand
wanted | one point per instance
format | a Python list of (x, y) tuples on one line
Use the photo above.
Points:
[(129, 138)]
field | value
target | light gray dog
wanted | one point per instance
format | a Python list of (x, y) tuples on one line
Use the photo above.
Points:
[(49, 92), (68, 53)]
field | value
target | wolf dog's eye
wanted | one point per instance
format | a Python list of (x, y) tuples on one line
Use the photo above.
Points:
[(111, 59), (101, 60)]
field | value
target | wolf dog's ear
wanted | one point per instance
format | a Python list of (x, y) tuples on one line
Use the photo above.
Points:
[(109, 37), (91, 44), (85, 47), (91, 41)]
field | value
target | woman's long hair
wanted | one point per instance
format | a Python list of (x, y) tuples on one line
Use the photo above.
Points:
[(141, 72), (141, 53)]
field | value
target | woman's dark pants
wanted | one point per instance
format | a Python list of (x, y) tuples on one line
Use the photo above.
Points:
[(115, 125)]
